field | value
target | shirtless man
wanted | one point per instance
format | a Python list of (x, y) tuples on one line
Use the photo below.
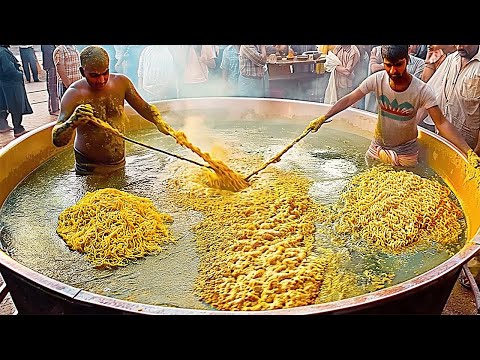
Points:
[(399, 96), (96, 150)]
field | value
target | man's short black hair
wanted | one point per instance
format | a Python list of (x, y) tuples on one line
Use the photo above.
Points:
[(395, 52)]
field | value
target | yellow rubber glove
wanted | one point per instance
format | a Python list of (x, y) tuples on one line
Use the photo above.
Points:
[(316, 123), (473, 159), (473, 167)]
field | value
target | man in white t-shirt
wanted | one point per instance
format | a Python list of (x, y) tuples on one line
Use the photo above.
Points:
[(399, 96)]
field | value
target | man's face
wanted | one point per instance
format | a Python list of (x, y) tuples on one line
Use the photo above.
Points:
[(96, 76), (412, 49), (467, 51), (395, 70)]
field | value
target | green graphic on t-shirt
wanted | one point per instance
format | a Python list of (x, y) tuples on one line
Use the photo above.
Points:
[(395, 111)]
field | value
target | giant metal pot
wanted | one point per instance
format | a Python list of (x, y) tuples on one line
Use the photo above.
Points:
[(427, 293)]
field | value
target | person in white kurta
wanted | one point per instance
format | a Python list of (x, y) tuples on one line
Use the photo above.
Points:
[(157, 73), (456, 84)]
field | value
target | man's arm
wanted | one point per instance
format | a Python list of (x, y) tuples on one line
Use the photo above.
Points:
[(147, 111), (339, 106), (345, 102), (447, 130), (477, 148), (71, 116)]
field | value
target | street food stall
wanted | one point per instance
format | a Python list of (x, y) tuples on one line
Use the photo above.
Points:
[(300, 77)]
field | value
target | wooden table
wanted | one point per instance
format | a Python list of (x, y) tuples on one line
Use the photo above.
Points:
[(286, 82)]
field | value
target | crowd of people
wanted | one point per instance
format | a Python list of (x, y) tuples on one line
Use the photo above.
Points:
[(360, 73), (174, 71)]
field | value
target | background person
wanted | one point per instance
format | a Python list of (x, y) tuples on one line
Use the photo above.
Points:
[(127, 57), (157, 73), (456, 87), (349, 57), (67, 64), (13, 96), (49, 67), (253, 81), (199, 59), (230, 67), (29, 62)]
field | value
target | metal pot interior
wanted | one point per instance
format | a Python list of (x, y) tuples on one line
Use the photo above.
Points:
[(243, 129)]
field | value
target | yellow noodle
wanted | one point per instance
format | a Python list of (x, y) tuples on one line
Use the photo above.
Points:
[(256, 246), (112, 227), (473, 168), (224, 177), (394, 209)]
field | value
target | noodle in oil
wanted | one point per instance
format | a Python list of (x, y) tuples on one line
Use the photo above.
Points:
[(223, 178), (395, 209), (113, 227)]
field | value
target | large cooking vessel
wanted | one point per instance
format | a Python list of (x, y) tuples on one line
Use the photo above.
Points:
[(427, 293)]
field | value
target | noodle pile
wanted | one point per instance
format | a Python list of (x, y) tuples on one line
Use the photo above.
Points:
[(224, 177), (113, 227), (256, 246), (394, 209)]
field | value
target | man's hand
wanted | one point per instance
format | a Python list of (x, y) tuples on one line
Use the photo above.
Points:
[(473, 159), (82, 114), (316, 123), (162, 127)]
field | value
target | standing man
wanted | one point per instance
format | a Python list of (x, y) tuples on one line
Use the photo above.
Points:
[(29, 62), (252, 80), (157, 77), (399, 97), (67, 64), (102, 95), (13, 97), (456, 84), (49, 67), (199, 60), (349, 56), (127, 57), (230, 69)]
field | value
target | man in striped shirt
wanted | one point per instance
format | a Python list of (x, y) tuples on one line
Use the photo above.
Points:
[(252, 81), (67, 64)]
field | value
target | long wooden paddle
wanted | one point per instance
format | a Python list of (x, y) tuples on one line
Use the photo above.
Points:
[(109, 128), (277, 157)]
